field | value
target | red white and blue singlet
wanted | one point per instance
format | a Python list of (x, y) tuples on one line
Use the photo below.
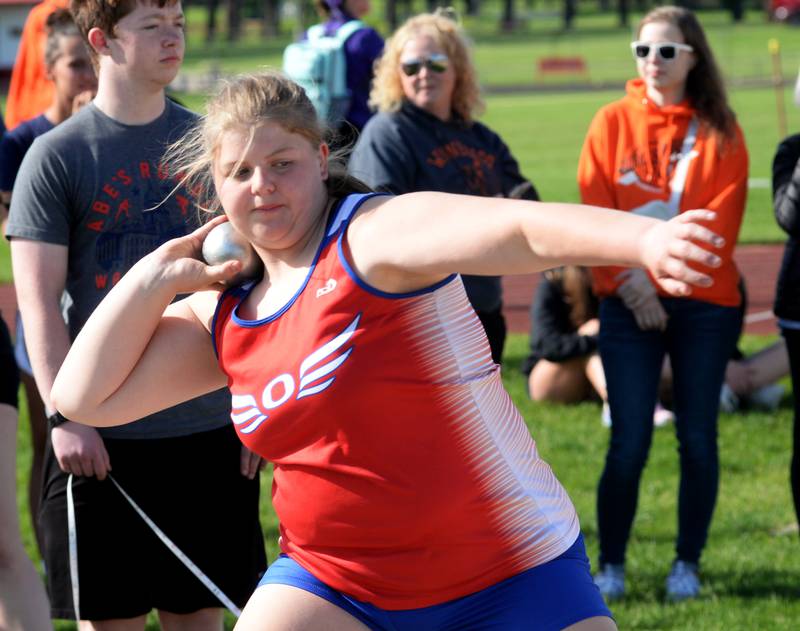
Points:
[(404, 475)]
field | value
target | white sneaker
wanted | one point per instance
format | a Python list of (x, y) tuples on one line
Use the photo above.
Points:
[(662, 416), (728, 401), (610, 580), (767, 397), (605, 415), (683, 581)]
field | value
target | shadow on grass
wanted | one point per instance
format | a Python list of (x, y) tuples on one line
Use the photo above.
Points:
[(759, 584)]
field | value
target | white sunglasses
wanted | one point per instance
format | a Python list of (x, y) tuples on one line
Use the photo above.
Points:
[(667, 51)]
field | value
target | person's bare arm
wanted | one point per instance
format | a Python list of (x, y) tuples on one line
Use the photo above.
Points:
[(40, 272), (164, 355), (407, 242)]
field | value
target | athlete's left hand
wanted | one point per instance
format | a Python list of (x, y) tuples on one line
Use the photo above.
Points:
[(668, 247), (251, 463)]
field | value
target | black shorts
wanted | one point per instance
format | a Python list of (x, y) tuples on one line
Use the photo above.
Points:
[(192, 489), (9, 373)]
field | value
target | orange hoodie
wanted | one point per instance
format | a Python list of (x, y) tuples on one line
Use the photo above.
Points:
[(628, 159), (30, 91)]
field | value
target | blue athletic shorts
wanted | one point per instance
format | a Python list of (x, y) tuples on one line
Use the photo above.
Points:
[(554, 595)]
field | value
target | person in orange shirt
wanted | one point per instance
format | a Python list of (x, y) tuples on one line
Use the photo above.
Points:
[(31, 91), (670, 145)]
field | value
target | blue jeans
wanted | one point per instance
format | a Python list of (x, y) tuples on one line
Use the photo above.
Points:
[(792, 337), (699, 339)]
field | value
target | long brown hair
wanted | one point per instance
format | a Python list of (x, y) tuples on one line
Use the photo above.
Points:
[(576, 286), (704, 86)]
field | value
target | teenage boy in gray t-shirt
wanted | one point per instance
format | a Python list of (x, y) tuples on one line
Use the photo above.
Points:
[(92, 197)]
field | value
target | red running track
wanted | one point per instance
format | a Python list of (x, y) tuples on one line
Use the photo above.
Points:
[(758, 263)]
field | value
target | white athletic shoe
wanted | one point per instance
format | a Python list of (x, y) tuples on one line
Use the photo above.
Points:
[(605, 415), (728, 401), (683, 581), (610, 580), (767, 397), (662, 416)]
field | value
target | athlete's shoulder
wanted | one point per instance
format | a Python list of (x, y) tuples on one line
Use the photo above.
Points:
[(204, 304)]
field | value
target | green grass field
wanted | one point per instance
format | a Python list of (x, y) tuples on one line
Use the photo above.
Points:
[(750, 570), (511, 58)]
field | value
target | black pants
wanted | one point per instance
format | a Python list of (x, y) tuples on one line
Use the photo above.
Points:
[(495, 326), (792, 338), (192, 489)]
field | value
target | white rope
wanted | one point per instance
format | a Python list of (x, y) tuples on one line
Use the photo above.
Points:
[(72, 535)]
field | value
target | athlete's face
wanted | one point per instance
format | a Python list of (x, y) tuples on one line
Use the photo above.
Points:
[(273, 187), (664, 75), (430, 87), (149, 42)]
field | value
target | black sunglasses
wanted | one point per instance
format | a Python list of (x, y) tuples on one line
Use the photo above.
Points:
[(666, 50), (435, 63)]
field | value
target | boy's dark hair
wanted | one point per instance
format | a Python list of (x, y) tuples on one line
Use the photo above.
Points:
[(58, 24), (104, 14)]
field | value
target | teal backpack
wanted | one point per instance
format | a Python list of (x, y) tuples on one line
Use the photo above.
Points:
[(318, 65)]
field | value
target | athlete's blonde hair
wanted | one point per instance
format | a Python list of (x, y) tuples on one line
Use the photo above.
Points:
[(245, 103), (441, 26)]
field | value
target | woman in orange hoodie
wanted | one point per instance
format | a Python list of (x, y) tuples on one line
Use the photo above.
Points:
[(31, 89), (670, 145)]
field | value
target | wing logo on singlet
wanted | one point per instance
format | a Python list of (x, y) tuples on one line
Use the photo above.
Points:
[(311, 380)]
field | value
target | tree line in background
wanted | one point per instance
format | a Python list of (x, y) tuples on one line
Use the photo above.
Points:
[(270, 12)]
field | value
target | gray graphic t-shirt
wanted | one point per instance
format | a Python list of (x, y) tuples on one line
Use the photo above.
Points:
[(99, 187)]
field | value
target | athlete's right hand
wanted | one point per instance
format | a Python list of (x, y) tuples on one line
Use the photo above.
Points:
[(79, 450), (179, 262)]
